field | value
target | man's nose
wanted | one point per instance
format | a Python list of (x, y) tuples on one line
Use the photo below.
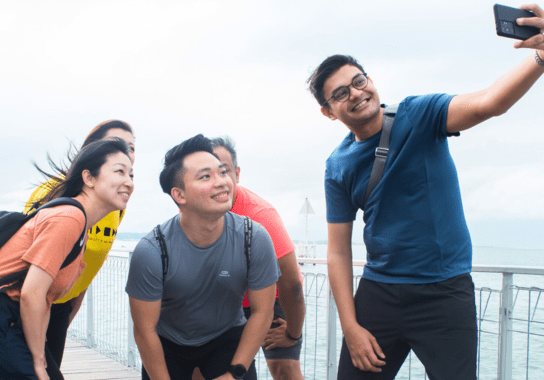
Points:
[(354, 93), (220, 181)]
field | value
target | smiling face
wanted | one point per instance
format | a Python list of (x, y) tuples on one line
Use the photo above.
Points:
[(125, 135), (226, 159), (362, 106), (207, 186), (114, 183)]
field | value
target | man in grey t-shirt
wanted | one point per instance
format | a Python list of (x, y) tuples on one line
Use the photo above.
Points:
[(193, 316)]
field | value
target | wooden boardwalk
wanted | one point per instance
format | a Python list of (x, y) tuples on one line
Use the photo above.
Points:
[(82, 363)]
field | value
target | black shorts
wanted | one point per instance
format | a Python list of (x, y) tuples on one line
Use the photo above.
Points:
[(291, 353), (437, 321), (213, 358)]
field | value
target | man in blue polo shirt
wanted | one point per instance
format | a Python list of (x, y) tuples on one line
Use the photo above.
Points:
[(416, 291)]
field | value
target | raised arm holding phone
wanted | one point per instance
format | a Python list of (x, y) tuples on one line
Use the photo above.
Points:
[(416, 292)]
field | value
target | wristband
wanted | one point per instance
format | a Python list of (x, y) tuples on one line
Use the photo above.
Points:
[(290, 337), (538, 59)]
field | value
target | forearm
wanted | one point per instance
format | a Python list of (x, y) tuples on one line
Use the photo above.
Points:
[(252, 337), (152, 355), (34, 319), (509, 88), (76, 305), (45, 323), (340, 272), (291, 297)]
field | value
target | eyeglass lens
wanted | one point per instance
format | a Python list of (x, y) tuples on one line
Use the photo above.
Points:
[(342, 94)]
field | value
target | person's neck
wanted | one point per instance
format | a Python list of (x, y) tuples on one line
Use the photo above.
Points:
[(94, 210), (201, 231), (369, 127)]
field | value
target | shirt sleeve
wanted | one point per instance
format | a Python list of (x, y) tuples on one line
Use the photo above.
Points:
[(56, 232), (264, 269), (430, 110), (442, 104), (339, 205), (145, 272)]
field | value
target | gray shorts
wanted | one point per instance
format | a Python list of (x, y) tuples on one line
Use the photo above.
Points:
[(293, 352)]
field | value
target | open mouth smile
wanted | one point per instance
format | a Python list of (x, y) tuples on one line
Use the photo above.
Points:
[(223, 196), (125, 196), (360, 104)]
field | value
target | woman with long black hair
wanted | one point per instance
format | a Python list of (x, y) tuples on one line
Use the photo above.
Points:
[(101, 238), (100, 179)]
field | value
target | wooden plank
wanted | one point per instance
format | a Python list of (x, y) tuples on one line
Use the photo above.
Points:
[(82, 363)]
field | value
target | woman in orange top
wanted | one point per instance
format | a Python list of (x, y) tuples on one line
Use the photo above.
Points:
[(99, 243), (100, 179)]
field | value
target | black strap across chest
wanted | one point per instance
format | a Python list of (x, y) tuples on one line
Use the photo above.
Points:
[(381, 152), (17, 220), (248, 228)]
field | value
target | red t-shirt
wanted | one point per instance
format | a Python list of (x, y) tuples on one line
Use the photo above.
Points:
[(45, 241), (257, 209)]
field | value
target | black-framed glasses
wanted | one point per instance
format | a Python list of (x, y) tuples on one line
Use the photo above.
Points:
[(341, 94)]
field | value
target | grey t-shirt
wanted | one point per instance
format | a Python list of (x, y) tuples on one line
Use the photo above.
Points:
[(204, 287)]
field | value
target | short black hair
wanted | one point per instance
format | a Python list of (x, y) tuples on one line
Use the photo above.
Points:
[(229, 144), (173, 171), (328, 67)]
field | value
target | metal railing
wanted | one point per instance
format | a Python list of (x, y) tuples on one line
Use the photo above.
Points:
[(103, 321), (510, 322)]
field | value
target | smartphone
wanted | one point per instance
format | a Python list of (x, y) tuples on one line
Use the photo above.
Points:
[(505, 22)]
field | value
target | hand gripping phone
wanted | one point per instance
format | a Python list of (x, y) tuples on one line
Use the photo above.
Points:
[(505, 22)]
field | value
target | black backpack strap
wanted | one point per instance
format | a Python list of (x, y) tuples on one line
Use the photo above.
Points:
[(164, 253), (381, 152), (79, 243), (59, 202), (74, 253), (11, 223), (18, 277), (248, 227), (15, 220)]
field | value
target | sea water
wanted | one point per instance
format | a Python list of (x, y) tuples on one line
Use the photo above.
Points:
[(528, 350), (528, 353)]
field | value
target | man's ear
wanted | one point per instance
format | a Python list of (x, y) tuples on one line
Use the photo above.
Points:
[(327, 112), (238, 174), (178, 195)]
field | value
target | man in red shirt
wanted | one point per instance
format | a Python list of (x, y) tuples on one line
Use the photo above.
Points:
[(283, 341)]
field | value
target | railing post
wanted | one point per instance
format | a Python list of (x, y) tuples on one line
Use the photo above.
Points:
[(332, 366), (505, 339), (90, 317), (131, 343)]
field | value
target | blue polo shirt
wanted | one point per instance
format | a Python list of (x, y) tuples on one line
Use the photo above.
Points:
[(415, 229)]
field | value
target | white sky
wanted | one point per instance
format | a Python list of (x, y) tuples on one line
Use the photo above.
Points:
[(173, 69)]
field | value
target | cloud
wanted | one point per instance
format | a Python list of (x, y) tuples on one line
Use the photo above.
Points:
[(175, 69), (513, 191)]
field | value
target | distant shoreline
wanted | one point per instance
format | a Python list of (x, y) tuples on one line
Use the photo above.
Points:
[(136, 236)]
